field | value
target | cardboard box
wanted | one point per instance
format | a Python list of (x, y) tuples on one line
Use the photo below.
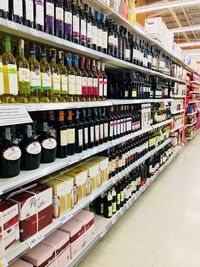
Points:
[(87, 218), (103, 168), (21, 263), (9, 225), (53, 251), (35, 209), (154, 28), (75, 229)]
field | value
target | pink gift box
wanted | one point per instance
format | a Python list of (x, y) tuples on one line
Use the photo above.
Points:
[(87, 218), (21, 263), (53, 251), (75, 229)]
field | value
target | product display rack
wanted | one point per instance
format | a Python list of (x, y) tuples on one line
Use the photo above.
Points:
[(19, 248), (104, 225)]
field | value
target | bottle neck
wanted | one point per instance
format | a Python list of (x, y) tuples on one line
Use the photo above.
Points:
[(7, 46), (69, 117), (61, 117), (7, 134), (45, 127), (29, 131)]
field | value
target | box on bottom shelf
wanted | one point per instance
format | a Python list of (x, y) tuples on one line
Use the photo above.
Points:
[(21, 263)]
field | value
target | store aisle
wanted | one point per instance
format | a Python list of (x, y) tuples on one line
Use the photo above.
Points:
[(162, 229)]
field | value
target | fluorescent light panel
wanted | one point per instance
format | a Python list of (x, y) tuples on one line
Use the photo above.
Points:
[(186, 29), (189, 44), (155, 7)]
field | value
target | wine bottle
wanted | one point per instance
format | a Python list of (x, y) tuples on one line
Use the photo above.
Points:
[(35, 80), (114, 201), (48, 144), (1, 79), (90, 129), (59, 18), (31, 151), (96, 127), (85, 130), (23, 74), (9, 72), (61, 136), (16, 8), (10, 156), (108, 205), (76, 21), (104, 34), (39, 14), (94, 92), (71, 78), (68, 20), (99, 31), (78, 133), (101, 126), (70, 134), (28, 12), (4, 9), (49, 16), (45, 69), (111, 38), (84, 78), (78, 79), (82, 16), (88, 15), (55, 77), (105, 81), (63, 77), (94, 30), (89, 80), (52, 124)]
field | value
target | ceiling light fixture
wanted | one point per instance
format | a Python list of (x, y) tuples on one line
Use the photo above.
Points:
[(189, 44), (186, 29), (155, 7)]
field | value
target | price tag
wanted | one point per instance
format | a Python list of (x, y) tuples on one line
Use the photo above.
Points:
[(102, 234), (64, 218), (121, 212), (127, 205), (35, 240), (14, 114), (3, 263), (34, 32), (114, 219), (11, 24)]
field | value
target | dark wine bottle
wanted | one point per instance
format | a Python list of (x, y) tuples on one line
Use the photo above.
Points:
[(94, 30), (31, 151), (99, 31), (108, 205), (49, 16), (61, 136), (59, 18), (28, 12), (82, 16), (16, 11), (90, 129), (78, 133), (39, 14), (85, 130), (4, 9), (70, 134), (10, 156), (76, 22), (89, 25), (68, 20)]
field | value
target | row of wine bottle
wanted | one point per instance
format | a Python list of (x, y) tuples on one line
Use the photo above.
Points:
[(108, 203), (75, 21), (59, 78)]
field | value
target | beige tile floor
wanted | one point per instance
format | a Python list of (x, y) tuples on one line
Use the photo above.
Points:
[(162, 229)]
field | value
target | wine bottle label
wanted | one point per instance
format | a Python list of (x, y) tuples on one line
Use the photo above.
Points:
[(63, 137), (29, 10), (118, 199), (105, 84), (12, 153), (126, 93), (90, 85), (100, 82), (123, 160), (24, 75), (1, 79), (4, 5), (101, 131), (59, 18), (115, 128), (134, 92), (114, 207), (78, 85), (109, 211), (83, 29), (56, 82), (95, 86), (105, 39), (68, 22), (115, 41), (72, 84), (49, 143), (86, 135), (118, 127), (113, 162), (92, 134), (50, 14), (17, 8), (111, 129), (122, 124), (34, 148), (99, 37), (64, 84), (80, 137), (46, 80), (127, 54), (76, 25), (70, 136), (39, 17), (35, 79), (84, 82), (96, 132), (89, 31), (111, 40), (106, 130), (122, 196), (10, 72), (94, 35)]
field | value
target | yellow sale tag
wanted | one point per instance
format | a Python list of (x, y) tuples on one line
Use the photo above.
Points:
[(3, 263)]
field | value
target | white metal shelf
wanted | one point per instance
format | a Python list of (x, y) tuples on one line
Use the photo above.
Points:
[(26, 177), (177, 111), (177, 128), (193, 113), (179, 96), (191, 124), (102, 225), (44, 38), (140, 101), (134, 30), (19, 248)]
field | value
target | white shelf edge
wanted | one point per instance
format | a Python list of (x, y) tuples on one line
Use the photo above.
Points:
[(191, 124), (177, 128), (19, 249), (26, 177), (177, 111), (193, 113), (110, 222), (39, 36)]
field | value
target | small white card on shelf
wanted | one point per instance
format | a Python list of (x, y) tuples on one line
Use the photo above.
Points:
[(3, 263), (35, 240), (103, 232)]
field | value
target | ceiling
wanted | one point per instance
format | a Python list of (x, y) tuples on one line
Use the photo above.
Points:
[(175, 18)]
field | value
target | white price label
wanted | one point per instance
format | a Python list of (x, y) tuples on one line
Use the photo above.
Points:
[(114, 219), (121, 212), (35, 240), (102, 234), (3, 263), (64, 218)]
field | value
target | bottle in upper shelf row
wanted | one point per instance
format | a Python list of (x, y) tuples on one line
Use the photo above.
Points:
[(75, 21), (55, 76)]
